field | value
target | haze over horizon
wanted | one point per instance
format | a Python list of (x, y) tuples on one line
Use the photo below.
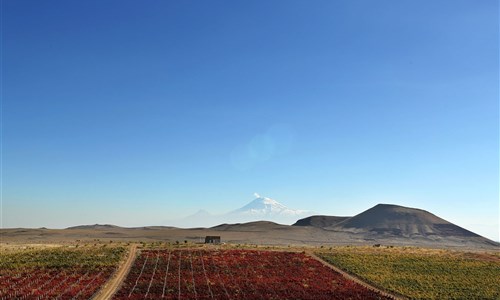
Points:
[(127, 114)]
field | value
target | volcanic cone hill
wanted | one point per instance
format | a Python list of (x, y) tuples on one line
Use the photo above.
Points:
[(394, 220)]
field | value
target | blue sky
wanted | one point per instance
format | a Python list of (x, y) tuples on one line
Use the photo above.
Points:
[(134, 113)]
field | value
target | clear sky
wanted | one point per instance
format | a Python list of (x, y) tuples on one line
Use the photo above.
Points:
[(137, 112)]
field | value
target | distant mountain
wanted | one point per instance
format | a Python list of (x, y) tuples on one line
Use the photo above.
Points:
[(199, 219), (263, 207), (259, 209), (320, 221), (395, 220)]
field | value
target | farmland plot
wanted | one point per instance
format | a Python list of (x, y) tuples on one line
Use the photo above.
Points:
[(422, 273), (59, 273), (235, 274)]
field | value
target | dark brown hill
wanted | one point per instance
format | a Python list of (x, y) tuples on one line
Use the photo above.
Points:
[(250, 226), (320, 221), (95, 226), (394, 220)]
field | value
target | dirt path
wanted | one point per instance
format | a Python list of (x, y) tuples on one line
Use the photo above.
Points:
[(356, 279), (113, 284)]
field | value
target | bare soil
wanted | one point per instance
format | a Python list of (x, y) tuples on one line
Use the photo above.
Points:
[(110, 288)]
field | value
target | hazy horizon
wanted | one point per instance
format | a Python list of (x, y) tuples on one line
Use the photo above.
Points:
[(207, 219), (132, 113)]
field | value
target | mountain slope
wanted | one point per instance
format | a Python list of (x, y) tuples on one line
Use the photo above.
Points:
[(250, 226), (387, 219), (320, 221)]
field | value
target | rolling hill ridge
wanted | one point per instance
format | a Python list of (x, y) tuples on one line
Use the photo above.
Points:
[(382, 224)]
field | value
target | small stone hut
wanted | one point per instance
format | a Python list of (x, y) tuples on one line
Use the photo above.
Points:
[(212, 239)]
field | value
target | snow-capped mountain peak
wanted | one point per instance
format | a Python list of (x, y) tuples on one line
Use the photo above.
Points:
[(259, 209), (263, 206)]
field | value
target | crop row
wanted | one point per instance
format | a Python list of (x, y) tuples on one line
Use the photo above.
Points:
[(70, 283), (235, 274)]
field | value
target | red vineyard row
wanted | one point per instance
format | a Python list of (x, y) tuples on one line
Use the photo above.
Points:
[(235, 274), (67, 283)]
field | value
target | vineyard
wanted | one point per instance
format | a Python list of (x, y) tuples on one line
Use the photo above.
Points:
[(235, 274), (198, 273), (422, 273), (60, 273)]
